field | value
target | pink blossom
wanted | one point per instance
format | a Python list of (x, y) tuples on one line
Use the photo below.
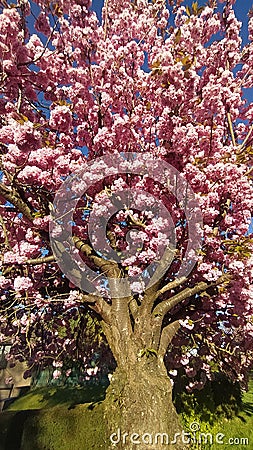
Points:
[(187, 324), (61, 118), (184, 360), (56, 374), (4, 282), (75, 93), (57, 364), (22, 283), (42, 24), (30, 174)]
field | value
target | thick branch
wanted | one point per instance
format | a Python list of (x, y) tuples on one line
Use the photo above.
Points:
[(167, 335), (117, 284), (120, 305), (43, 260), (109, 267), (99, 305), (163, 265), (170, 286), (133, 306), (152, 290), (158, 320), (165, 306)]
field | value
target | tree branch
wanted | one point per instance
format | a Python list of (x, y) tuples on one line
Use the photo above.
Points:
[(43, 260), (109, 267), (134, 307), (29, 262), (150, 294), (241, 147), (6, 239), (170, 286), (14, 198), (230, 124), (99, 305), (167, 335), (165, 306)]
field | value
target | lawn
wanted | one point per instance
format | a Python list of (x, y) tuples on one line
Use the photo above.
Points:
[(223, 433), (72, 419), (55, 419)]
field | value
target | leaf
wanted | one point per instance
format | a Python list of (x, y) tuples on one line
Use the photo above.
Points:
[(141, 353), (25, 118), (37, 214), (37, 125), (147, 352), (201, 252), (178, 36), (156, 68), (195, 8), (188, 11), (200, 10), (57, 10), (22, 119), (61, 103), (185, 60), (150, 352), (156, 64)]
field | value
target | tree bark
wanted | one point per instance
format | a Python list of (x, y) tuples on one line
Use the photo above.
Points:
[(138, 408)]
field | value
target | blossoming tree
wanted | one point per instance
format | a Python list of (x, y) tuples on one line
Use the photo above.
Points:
[(148, 102)]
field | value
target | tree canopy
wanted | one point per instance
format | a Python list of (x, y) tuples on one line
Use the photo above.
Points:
[(126, 183)]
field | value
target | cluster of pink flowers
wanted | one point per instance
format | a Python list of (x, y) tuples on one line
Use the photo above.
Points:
[(134, 85)]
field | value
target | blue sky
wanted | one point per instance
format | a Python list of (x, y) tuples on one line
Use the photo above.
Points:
[(241, 7)]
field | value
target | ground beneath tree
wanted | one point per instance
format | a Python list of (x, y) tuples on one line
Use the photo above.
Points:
[(72, 419)]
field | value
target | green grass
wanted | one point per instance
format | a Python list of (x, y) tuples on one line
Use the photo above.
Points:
[(58, 428), (61, 428), (55, 419), (48, 397), (238, 431), (72, 419)]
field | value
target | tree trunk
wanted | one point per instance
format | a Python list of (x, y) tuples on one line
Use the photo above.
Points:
[(139, 409)]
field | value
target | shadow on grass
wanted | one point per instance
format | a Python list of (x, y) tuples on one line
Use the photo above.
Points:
[(28, 412), (15, 430), (72, 396), (247, 404), (247, 408)]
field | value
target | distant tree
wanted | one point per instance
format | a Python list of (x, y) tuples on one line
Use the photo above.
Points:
[(147, 111)]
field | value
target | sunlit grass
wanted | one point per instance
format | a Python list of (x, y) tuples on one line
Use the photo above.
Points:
[(226, 434), (72, 419)]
